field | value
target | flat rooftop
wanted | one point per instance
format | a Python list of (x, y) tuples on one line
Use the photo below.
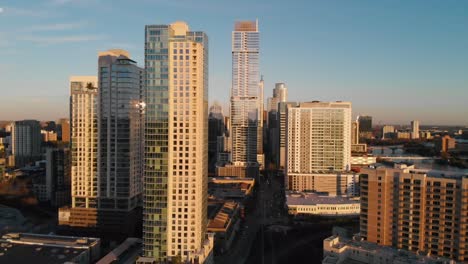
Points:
[(315, 199), (27, 248)]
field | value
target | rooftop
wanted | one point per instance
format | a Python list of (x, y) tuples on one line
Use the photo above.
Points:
[(34, 248), (221, 217), (315, 199)]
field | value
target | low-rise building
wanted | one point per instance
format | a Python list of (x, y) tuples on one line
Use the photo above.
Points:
[(24, 248), (304, 204), (223, 221), (236, 189), (333, 183), (362, 160), (337, 250), (126, 253)]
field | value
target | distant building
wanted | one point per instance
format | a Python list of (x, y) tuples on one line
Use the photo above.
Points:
[(230, 170), (58, 176), (48, 136), (365, 127), (26, 141), (304, 204), (64, 129), (338, 250), (388, 132), (282, 122), (216, 129), (415, 129), (403, 135), (417, 210), (25, 248), (355, 132), (444, 144)]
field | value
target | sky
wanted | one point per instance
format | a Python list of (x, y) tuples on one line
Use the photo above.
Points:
[(394, 60)]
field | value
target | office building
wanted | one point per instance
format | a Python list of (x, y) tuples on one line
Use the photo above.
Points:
[(120, 131), (244, 93), (216, 129), (26, 142), (415, 129), (318, 138), (417, 210), (176, 149)]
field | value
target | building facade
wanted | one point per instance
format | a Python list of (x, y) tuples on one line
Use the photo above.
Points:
[(416, 210), (244, 93), (26, 141), (415, 129), (120, 131), (176, 149)]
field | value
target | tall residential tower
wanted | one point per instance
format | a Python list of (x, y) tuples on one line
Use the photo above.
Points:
[(244, 93), (176, 145)]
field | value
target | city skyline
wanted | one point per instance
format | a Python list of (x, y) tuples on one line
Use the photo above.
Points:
[(410, 59)]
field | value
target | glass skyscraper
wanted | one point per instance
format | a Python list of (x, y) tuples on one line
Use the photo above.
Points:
[(176, 145), (244, 93)]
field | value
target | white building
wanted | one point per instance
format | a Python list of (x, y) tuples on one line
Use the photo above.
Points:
[(318, 138), (333, 183), (315, 204), (83, 123)]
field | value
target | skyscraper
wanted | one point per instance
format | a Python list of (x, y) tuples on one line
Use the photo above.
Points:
[(355, 132), (365, 127), (244, 93), (176, 149), (260, 107), (120, 131), (415, 129), (26, 141), (107, 159), (318, 139), (83, 124), (280, 95)]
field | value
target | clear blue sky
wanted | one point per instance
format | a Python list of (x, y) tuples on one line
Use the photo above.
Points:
[(394, 60)]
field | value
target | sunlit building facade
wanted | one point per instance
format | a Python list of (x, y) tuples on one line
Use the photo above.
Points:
[(176, 149)]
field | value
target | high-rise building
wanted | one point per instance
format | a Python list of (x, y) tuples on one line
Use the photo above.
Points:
[(282, 121), (280, 94), (244, 93), (176, 149), (216, 128), (417, 210), (444, 144), (83, 151), (58, 178), (26, 141), (415, 129), (107, 146), (120, 131), (318, 139), (260, 107)]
